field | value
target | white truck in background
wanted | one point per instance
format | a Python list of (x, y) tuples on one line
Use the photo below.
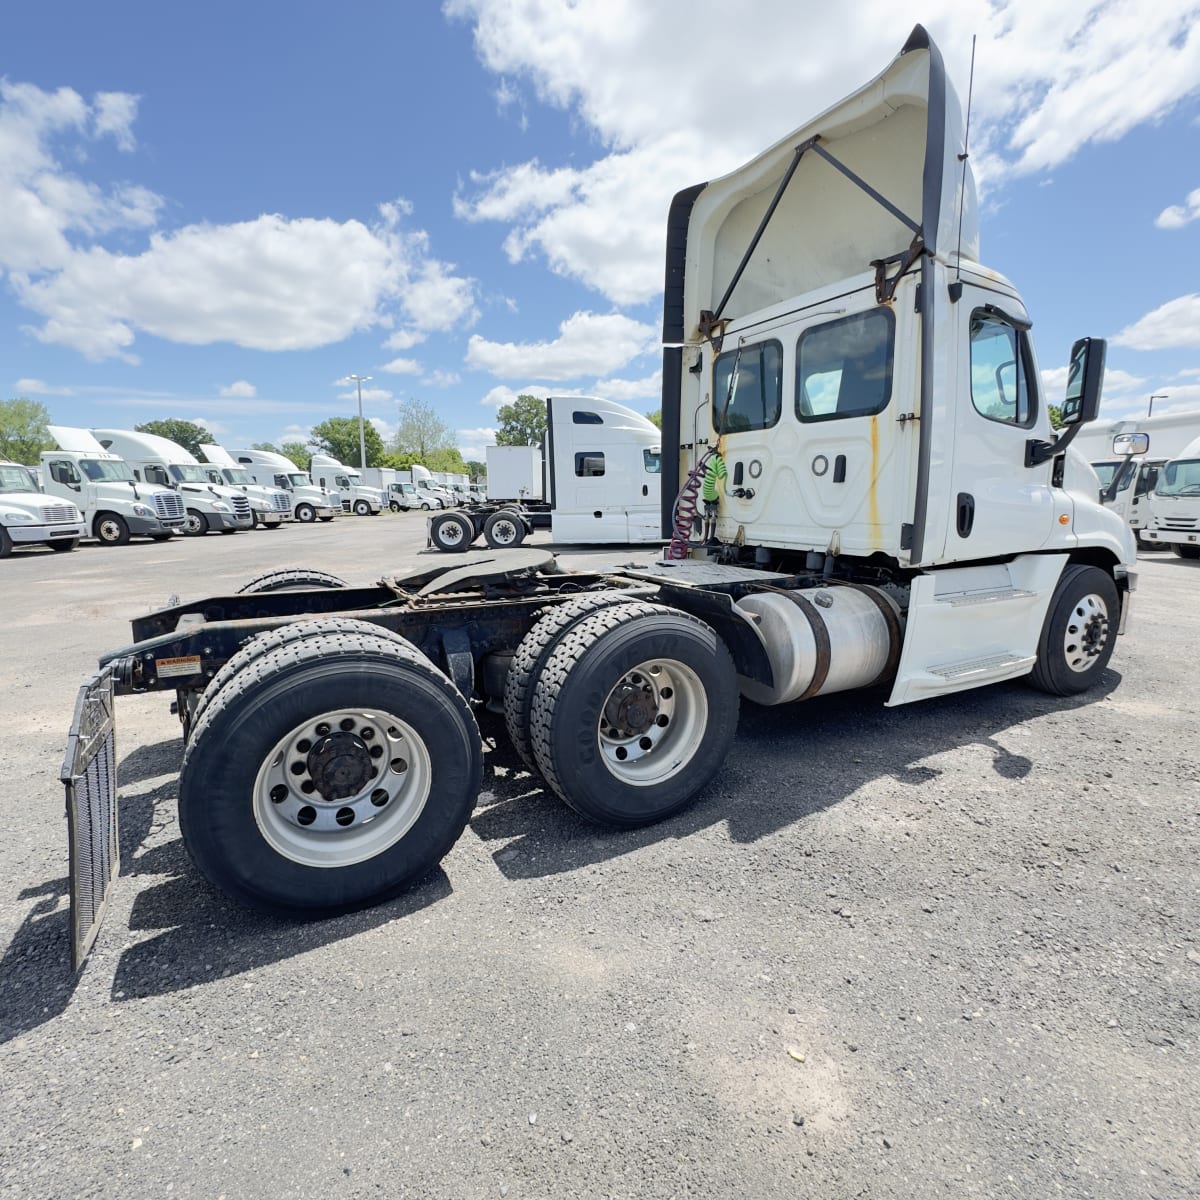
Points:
[(309, 502), (357, 497), (428, 493), (30, 518), (209, 508), (1175, 503), (271, 506), (515, 473), (115, 504), (862, 490)]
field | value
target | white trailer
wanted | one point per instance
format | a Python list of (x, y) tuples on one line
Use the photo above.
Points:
[(116, 505), (515, 473), (357, 496), (309, 502), (29, 518), (271, 506), (864, 490), (210, 507)]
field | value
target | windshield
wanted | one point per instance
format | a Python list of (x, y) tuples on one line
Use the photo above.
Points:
[(298, 479), (97, 469), (16, 479), (240, 477), (1180, 478), (1106, 471), (355, 477), (186, 474)]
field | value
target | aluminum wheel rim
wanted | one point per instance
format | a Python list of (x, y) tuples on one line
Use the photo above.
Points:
[(193, 523), (1086, 633), (109, 531), (452, 532), (653, 721), (325, 828)]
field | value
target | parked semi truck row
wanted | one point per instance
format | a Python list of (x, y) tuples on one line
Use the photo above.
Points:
[(896, 513), (310, 502), (357, 496), (28, 517)]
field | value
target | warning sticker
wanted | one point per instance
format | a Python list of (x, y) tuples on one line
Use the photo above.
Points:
[(166, 667)]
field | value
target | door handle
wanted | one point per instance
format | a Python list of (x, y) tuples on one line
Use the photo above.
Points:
[(966, 514), (839, 469)]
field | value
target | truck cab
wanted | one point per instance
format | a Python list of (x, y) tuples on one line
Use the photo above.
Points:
[(209, 507), (271, 506), (270, 469), (1126, 484), (116, 505), (28, 518), (356, 496), (1175, 504)]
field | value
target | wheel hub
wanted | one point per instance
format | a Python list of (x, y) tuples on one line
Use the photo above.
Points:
[(630, 709), (339, 765)]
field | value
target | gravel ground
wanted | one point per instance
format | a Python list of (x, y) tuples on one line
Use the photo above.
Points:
[(943, 950)]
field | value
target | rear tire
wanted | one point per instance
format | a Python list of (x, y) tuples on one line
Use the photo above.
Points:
[(451, 532), (111, 529), (291, 579), (310, 782), (1079, 633), (503, 529), (531, 656), (634, 713)]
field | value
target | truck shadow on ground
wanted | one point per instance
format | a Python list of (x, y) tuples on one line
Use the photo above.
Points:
[(787, 764)]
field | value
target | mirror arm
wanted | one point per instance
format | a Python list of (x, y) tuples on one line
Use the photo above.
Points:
[(1038, 452)]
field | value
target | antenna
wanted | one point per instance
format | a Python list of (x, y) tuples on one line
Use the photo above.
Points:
[(956, 287)]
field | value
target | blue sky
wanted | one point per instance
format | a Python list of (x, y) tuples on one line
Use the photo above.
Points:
[(219, 211)]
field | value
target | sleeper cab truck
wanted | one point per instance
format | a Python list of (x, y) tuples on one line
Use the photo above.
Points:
[(357, 497), (209, 507), (865, 492), (309, 501), (30, 518), (116, 505), (270, 506)]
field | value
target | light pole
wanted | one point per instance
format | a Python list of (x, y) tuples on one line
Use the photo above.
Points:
[(362, 433), (1156, 396)]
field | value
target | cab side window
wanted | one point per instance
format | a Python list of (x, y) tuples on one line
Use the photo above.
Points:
[(589, 464), (156, 474), (751, 399), (844, 368), (1000, 378)]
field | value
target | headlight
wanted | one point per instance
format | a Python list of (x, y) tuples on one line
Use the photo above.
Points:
[(16, 518), (220, 506), (140, 510)]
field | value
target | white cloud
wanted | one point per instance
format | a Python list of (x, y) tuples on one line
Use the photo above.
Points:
[(386, 429), (668, 110), (588, 344), (442, 379), (38, 387), (293, 433), (402, 366), (473, 442), (367, 394), (1172, 326), (271, 282), (240, 387), (1176, 216), (624, 390), (404, 339), (213, 427)]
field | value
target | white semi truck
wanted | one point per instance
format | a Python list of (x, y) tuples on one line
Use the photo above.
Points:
[(30, 518), (271, 506), (599, 469), (210, 508), (357, 496), (309, 501), (116, 505), (1175, 504), (864, 492)]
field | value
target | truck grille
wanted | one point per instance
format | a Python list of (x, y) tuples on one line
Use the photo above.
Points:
[(168, 506), (1180, 524), (58, 514), (241, 506), (281, 501), (89, 773)]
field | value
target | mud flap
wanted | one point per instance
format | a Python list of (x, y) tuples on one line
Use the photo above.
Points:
[(89, 773)]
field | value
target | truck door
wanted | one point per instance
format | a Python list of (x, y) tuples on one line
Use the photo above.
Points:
[(997, 504), (816, 453)]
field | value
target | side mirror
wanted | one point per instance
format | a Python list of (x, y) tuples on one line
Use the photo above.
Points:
[(1131, 444), (1085, 379)]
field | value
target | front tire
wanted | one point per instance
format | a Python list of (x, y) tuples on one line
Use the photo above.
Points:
[(1079, 634), (6, 543), (111, 529), (328, 776), (291, 579), (306, 513), (634, 713), (61, 547), (503, 529), (1185, 550), (362, 508), (194, 524)]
